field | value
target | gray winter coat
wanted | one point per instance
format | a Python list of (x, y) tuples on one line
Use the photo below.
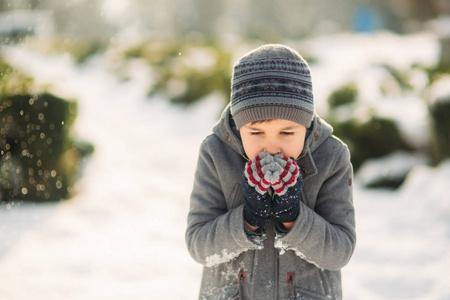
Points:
[(303, 263)]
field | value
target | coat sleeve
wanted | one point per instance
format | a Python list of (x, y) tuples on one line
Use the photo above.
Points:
[(325, 235), (214, 234)]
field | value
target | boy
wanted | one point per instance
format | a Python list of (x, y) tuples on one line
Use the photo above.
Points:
[(271, 213)]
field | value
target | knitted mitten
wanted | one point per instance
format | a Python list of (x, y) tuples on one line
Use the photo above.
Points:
[(288, 174), (287, 191), (257, 202), (255, 170)]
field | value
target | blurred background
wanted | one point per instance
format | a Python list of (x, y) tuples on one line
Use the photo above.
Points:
[(103, 105)]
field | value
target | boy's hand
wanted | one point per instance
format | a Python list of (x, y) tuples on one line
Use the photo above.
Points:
[(287, 191), (257, 203), (255, 172)]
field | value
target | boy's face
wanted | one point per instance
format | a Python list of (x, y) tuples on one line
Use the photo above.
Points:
[(274, 136)]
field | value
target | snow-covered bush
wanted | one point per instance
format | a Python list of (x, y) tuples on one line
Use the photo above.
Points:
[(344, 95), (390, 170), (13, 81), (440, 117), (39, 159), (373, 138), (383, 105), (77, 48), (185, 71)]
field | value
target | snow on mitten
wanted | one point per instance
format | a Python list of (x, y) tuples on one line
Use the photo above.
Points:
[(286, 204)]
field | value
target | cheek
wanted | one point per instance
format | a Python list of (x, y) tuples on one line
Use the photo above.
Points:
[(294, 149), (251, 149)]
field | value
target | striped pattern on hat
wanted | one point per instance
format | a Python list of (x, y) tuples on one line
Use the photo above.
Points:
[(272, 82)]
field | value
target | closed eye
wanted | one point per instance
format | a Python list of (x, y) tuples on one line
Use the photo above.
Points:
[(256, 132), (287, 133)]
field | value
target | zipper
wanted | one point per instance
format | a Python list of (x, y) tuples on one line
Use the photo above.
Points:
[(276, 254), (290, 278), (242, 276)]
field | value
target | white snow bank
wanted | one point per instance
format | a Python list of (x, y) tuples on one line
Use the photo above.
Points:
[(430, 187), (441, 26), (440, 90), (359, 59), (392, 167), (344, 58), (402, 240), (122, 234)]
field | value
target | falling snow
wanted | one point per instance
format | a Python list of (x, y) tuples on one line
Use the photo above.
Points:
[(122, 234)]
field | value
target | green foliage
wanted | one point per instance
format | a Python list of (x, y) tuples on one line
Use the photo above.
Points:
[(13, 81), (310, 59), (185, 71), (81, 50), (390, 182), (344, 95), (78, 48), (399, 77), (436, 71), (39, 160), (373, 138), (440, 120), (439, 113), (378, 136)]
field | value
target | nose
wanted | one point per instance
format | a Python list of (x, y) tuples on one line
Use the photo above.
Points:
[(272, 148)]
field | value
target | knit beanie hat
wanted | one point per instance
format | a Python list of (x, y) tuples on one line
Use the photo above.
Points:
[(272, 82)]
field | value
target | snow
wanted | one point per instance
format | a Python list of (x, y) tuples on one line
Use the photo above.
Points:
[(403, 240), (122, 234), (342, 60), (432, 183), (38, 22), (394, 166), (357, 57), (441, 26), (440, 90), (282, 247), (225, 256)]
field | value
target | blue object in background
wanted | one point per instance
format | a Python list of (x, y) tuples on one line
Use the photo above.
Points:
[(365, 19)]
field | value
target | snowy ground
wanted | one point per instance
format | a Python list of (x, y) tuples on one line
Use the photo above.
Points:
[(122, 234)]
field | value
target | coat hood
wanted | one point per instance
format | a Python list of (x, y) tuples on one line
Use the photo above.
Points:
[(225, 130)]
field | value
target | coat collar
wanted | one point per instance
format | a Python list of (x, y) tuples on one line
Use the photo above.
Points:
[(228, 133), (319, 131)]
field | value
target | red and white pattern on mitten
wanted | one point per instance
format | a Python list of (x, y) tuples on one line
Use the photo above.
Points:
[(255, 172), (288, 175)]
